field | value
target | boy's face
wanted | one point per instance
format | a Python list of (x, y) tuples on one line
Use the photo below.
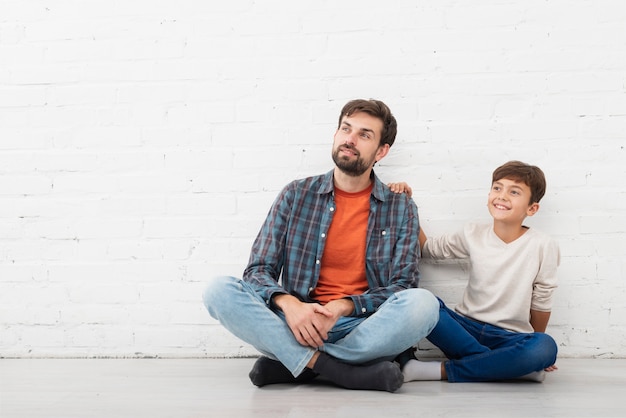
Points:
[(509, 201)]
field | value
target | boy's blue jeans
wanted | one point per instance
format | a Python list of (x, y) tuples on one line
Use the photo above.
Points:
[(404, 319), (483, 352)]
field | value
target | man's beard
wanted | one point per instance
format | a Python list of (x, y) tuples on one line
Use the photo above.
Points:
[(354, 167)]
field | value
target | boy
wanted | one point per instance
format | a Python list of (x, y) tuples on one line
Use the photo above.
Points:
[(497, 331)]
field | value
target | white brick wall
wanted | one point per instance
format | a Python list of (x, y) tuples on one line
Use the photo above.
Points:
[(142, 142)]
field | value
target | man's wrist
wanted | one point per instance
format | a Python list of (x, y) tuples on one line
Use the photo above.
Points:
[(342, 307), (280, 300)]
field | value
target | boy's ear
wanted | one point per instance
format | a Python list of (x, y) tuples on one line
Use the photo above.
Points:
[(532, 209)]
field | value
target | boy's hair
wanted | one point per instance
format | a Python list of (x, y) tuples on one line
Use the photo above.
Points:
[(528, 174), (377, 109)]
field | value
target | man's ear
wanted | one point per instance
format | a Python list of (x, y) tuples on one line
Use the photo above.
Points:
[(532, 209), (382, 151)]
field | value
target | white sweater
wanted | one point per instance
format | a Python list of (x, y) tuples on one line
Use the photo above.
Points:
[(506, 281)]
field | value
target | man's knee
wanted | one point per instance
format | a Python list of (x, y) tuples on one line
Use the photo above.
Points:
[(425, 306), (215, 291)]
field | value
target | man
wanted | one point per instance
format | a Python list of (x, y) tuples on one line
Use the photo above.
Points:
[(331, 285)]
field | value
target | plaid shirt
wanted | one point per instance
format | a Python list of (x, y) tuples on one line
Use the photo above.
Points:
[(290, 243)]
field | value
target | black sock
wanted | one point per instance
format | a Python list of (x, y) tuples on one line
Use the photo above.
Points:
[(403, 358), (384, 375), (267, 371)]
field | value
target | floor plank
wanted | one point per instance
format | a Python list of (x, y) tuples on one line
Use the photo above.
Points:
[(220, 388)]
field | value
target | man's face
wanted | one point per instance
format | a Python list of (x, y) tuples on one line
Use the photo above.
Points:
[(357, 143)]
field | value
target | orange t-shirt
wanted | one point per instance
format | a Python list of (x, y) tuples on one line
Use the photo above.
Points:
[(342, 271)]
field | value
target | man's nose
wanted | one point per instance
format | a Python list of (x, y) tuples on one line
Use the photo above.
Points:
[(351, 138)]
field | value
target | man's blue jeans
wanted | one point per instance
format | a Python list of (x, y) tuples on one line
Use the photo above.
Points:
[(483, 352), (404, 319)]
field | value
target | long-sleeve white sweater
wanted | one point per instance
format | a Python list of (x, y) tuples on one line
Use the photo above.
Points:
[(506, 281)]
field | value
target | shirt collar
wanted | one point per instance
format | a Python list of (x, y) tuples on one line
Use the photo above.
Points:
[(327, 185)]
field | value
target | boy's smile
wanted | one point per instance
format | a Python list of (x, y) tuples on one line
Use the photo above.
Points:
[(500, 206), (509, 201)]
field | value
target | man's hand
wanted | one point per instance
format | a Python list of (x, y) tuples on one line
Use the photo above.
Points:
[(338, 308), (308, 321)]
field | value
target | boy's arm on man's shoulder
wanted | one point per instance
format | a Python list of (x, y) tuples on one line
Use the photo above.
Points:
[(539, 320)]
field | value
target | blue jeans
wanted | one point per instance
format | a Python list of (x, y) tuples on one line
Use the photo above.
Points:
[(404, 319), (482, 352)]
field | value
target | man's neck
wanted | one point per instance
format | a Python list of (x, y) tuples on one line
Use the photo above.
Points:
[(351, 184)]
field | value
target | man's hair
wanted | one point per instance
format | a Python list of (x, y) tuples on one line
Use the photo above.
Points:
[(377, 109), (521, 172)]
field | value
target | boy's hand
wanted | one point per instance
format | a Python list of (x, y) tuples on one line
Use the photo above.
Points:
[(401, 187)]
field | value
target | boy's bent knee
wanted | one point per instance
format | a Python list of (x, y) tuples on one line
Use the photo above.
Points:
[(546, 345)]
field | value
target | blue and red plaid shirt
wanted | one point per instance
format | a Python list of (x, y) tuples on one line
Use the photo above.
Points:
[(287, 252)]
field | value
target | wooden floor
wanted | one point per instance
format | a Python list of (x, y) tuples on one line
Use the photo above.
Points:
[(220, 388)]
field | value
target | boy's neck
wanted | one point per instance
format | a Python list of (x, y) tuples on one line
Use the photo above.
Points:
[(507, 232)]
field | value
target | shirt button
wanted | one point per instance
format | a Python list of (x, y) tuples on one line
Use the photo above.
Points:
[(317, 261), (363, 310), (384, 232), (323, 235), (332, 209)]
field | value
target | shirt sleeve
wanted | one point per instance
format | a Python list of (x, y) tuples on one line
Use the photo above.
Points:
[(448, 246), (546, 281), (267, 254)]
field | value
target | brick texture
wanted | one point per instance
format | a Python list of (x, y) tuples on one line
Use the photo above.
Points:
[(142, 142)]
